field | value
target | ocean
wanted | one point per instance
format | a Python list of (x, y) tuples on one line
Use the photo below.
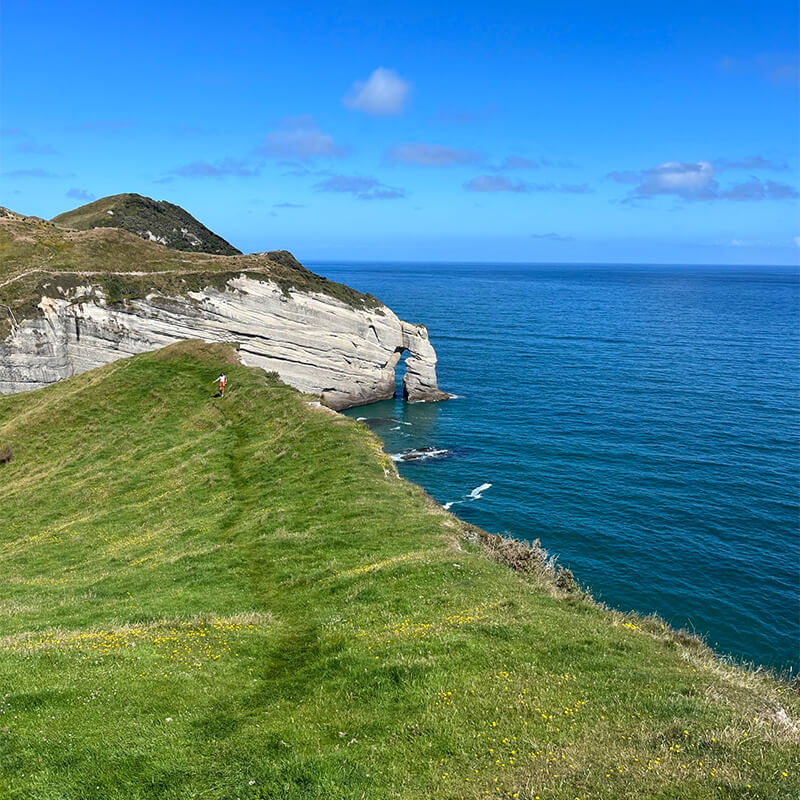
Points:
[(642, 421)]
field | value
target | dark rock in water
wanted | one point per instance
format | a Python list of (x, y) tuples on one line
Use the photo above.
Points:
[(377, 422), (420, 454)]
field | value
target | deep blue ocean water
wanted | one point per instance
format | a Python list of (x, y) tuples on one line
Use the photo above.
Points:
[(642, 421)]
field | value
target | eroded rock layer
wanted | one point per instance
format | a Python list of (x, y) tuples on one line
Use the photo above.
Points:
[(316, 343)]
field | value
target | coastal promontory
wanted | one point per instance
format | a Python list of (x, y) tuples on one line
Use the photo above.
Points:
[(74, 299)]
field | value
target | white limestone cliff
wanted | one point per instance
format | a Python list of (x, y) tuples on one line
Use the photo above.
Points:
[(316, 343)]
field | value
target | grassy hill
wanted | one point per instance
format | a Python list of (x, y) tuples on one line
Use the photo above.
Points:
[(37, 257), (153, 220), (238, 598)]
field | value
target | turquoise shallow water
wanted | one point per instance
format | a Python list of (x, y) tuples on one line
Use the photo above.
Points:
[(643, 422)]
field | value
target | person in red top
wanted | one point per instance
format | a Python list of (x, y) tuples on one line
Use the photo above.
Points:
[(223, 380)]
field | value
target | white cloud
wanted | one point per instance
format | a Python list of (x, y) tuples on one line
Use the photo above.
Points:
[(383, 94), (695, 181), (691, 181), (300, 138), (677, 177)]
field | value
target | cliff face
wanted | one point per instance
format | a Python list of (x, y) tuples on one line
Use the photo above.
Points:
[(316, 343), (74, 300)]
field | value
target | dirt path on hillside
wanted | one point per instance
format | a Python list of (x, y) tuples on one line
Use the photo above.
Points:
[(135, 273)]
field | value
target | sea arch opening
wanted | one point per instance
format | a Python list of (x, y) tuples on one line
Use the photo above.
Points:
[(399, 357)]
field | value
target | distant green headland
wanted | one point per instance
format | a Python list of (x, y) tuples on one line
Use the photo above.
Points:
[(152, 220)]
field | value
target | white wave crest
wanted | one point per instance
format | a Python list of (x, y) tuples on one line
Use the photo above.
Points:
[(478, 491)]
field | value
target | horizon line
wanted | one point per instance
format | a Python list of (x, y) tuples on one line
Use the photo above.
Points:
[(455, 263)]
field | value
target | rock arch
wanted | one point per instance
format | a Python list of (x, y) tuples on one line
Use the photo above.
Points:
[(419, 383), (322, 346)]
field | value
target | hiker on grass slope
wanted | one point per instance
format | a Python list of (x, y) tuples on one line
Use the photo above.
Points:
[(223, 380)]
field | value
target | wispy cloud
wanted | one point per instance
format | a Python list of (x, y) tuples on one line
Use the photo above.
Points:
[(791, 242), (192, 130), (772, 67), (494, 183), (30, 173), (226, 167), (79, 194), (465, 116), (690, 181), (360, 187), (497, 183), (751, 163), (553, 237), (31, 147), (754, 190), (518, 162), (288, 205), (383, 94), (695, 181), (107, 125), (522, 162), (562, 188), (300, 138), (561, 163), (431, 155), (785, 73), (28, 145)]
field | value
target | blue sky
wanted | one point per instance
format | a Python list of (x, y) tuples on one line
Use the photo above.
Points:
[(568, 132)]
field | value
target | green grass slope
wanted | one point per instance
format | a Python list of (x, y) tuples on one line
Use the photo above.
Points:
[(173, 226), (238, 598)]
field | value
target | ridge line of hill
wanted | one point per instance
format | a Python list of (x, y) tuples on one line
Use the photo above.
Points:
[(152, 220)]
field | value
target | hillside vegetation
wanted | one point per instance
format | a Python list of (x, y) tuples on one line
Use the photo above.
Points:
[(39, 258), (153, 220), (238, 598)]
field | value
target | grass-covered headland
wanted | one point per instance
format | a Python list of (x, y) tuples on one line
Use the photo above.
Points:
[(42, 259), (238, 598)]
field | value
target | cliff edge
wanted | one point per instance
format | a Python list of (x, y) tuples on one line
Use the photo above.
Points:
[(239, 599), (73, 300)]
